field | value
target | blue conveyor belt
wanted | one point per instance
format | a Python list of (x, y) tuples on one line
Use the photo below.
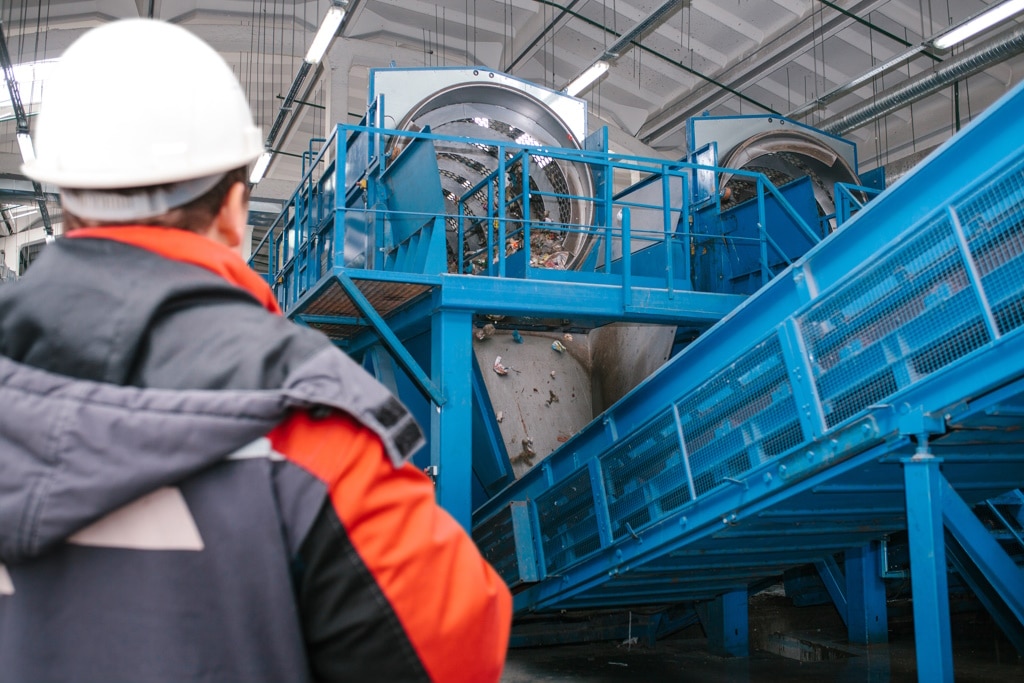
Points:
[(778, 437)]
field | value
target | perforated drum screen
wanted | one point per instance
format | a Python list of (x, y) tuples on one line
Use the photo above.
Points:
[(559, 191)]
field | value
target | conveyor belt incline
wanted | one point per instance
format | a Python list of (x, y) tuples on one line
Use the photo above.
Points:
[(791, 430)]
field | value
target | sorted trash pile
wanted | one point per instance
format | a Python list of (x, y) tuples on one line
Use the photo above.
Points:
[(547, 250)]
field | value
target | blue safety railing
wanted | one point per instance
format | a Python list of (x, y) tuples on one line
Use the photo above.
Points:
[(667, 236), (343, 216), (849, 199)]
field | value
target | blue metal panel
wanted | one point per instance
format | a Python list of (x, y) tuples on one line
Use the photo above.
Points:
[(413, 227), (875, 178), (415, 165), (657, 261), (731, 245), (705, 188)]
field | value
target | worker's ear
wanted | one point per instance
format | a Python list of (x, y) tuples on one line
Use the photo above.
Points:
[(229, 224)]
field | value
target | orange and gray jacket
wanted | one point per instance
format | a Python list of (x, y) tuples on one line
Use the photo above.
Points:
[(192, 488)]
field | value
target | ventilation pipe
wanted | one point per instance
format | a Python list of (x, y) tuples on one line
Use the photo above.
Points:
[(967, 64)]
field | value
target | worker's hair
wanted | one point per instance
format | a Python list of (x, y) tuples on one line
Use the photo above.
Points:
[(194, 216)]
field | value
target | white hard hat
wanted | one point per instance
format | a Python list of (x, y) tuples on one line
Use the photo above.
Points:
[(137, 103)]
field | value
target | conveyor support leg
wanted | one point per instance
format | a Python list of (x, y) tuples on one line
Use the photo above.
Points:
[(932, 641), (727, 626), (867, 621)]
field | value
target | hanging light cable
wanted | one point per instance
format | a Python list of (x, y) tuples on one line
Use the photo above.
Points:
[(329, 29)]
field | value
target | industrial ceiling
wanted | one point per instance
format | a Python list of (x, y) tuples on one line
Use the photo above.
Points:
[(865, 69)]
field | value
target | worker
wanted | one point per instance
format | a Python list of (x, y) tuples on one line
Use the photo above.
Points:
[(193, 488)]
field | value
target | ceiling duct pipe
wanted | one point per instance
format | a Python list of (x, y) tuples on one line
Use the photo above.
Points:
[(967, 64), (637, 31)]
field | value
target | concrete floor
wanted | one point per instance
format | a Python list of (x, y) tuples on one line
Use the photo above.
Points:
[(980, 653)]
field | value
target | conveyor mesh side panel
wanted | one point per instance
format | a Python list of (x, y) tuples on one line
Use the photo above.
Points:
[(568, 522), (909, 314), (496, 539), (903, 306), (741, 417), (993, 223), (644, 476)]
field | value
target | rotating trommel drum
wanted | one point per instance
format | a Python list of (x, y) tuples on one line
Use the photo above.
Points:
[(540, 377), (481, 106), (782, 149)]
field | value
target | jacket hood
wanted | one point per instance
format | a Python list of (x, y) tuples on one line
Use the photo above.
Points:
[(74, 450), (86, 307), (76, 443)]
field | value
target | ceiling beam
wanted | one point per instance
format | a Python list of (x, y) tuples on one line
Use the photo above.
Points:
[(22, 120), (748, 69)]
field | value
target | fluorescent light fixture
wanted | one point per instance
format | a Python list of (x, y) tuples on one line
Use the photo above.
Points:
[(325, 34), (978, 24), (28, 153), (260, 168), (583, 81)]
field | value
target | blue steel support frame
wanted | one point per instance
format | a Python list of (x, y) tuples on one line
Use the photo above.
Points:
[(832, 577), (859, 596), (821, 270), (451, 458), (1000, 585), (380, 366), (932, 640), (452, 346), (425, 384), (725, 621), (867, 620), (1016, 498)]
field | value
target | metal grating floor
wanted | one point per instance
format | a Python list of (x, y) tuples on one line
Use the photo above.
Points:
[(334, 301)]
